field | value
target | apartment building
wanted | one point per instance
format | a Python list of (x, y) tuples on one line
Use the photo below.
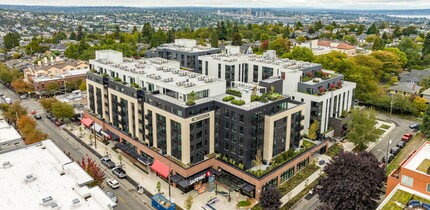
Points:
[(165, 116), (54, 71), (325, 93), (411, 180), (185, 51)]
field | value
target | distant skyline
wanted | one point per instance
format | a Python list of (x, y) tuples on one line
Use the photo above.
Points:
[(315, 4)]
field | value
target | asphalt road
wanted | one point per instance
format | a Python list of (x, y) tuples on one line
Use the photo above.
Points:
[(128, 198)]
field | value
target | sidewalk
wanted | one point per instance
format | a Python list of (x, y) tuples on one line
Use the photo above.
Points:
[(310, 179), (149, 181)]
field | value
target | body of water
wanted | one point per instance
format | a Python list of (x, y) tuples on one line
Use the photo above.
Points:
[(411, 16)]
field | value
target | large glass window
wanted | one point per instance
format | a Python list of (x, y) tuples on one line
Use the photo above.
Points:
[(408, 181)]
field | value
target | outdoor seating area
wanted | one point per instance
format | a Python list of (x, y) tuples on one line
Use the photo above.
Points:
[(200, 188)]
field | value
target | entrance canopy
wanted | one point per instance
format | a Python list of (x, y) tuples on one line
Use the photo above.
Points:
[(97, 127), (86, 121), (160, 168)]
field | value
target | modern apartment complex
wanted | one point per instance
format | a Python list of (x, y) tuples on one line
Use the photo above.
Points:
[(325, 94), (189, 122), (411, 180), (185, 51)]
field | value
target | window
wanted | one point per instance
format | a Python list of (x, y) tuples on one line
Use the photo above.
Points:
[(408, 181), (428, 187)]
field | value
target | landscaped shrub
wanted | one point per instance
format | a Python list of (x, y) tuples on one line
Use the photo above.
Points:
[(234, 92), (116, 79), (238, 102), (228, 98), (134, 85)]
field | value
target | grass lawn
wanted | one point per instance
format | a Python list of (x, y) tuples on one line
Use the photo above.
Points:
[(379, 131), (398, 201), (243, 203), (308, 144), (424, 166), (384, 126), (298, 178), (299, 196), (414, 143)]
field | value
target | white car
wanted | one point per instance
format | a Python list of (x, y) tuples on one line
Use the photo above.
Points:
[(112, 196), (112, 183), (8, 100)]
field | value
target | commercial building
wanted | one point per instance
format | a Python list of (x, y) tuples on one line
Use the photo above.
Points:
[(411, 180), (188, 122), (41, 176), (9, 137), (185, 51), (325, 93), (54, 71)]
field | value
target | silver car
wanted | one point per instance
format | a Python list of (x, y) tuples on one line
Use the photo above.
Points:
[(112, 196), (119, 172)]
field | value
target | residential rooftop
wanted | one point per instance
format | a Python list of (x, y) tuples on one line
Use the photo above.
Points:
[(186, 45), (418, 158), (41, 176)]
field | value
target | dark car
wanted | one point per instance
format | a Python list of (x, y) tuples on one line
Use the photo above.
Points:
[(37, 117), (119, 172), (107, 162), (426, 206), (390, 158), (58, 122), (49, 116), (414, 203), (401, 144), (395, 150)]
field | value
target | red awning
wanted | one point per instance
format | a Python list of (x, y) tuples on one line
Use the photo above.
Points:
[(86, 121), (160, 168)]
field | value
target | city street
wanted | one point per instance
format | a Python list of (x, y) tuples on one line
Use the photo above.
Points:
[(128, 198)]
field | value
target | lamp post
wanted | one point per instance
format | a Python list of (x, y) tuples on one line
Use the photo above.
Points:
[(389, 136)]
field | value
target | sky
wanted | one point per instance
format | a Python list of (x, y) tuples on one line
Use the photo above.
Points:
[(326, 4)]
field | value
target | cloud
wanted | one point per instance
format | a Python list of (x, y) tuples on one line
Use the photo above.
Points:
[(327, 4)]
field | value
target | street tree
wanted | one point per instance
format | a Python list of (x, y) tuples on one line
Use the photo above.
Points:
[(189, 202), (352, 181), (425, 126), (26, 120), (21, 86), (47, 103), (35, 136), (83, 85), (62, 110), (270, 199), (11, 40), (361, 128), (53, 86), (94, 170), (13, 111)]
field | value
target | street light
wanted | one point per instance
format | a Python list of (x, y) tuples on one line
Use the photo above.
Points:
[(389, 136)]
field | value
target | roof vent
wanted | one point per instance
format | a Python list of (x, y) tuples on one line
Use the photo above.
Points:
[(76, 202), (7, 164), (47, 201), (54, 205), (29, 178)]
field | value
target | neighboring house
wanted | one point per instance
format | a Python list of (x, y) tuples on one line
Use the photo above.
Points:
[(410, 181), (320, 47), (426, 95), (414, 75), (42, 74), (405, 88), (59, 47)]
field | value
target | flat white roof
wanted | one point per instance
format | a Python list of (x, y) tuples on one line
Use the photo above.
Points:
[(422, 154), (46, 163), (161, 71), (8, 133)]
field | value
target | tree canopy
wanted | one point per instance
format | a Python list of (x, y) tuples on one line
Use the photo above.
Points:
[(352, 181), (361, 128), (270, 198), (62, 110)]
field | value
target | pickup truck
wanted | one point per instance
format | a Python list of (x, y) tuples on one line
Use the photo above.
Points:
[(107, 162), (406, 137)]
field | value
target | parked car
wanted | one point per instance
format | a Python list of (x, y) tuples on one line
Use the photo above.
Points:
[(8, 100), (4, 96), (33, 111), (1, 94), (390, 158), (426, 206), (395, 150), (414, 203), (49, 116), (58, 122), (112, 183), (107, 162), (53, 119), (23, 96), (406, 137), (112, 196), (414, 126), (119, 172), (401, 144), (37, 117)]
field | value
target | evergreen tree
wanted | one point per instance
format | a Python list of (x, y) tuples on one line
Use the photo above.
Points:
[(134, 30), (72, 36), (372, 29), (214, 39), (425, 126), (318, 25), (117, 32), (222, 31), (426, 45), (286, 32), (397, 33), (378, 44), (11, 40), (147, 31), (171, 36), (298, 25), (236, 39), (80, 35)]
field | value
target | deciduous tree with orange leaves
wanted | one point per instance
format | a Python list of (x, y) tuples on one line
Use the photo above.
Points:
[(94, 170), (21, 86)]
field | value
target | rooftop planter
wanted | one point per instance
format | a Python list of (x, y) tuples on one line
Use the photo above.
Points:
[(234, 92), (116, 79), (238, 102), (228, 98)]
